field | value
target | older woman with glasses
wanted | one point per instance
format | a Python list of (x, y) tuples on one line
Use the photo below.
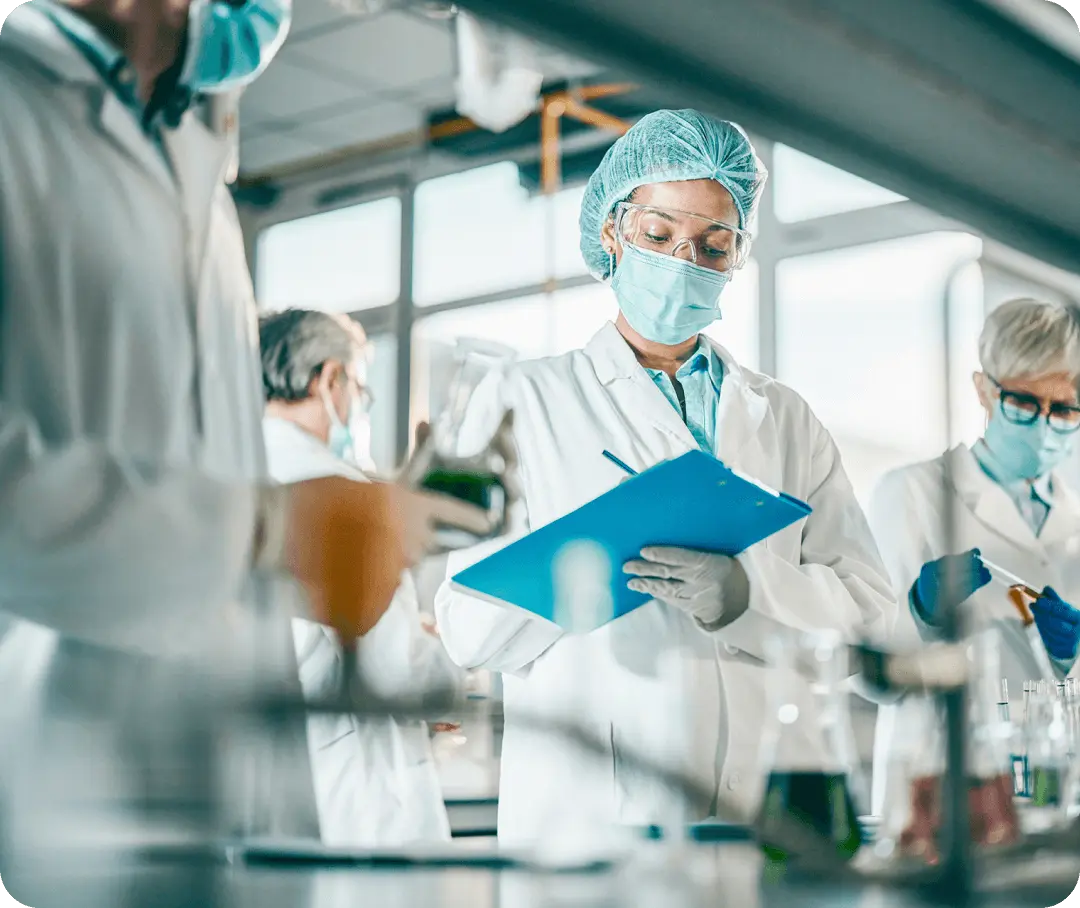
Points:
[(1009, 507)]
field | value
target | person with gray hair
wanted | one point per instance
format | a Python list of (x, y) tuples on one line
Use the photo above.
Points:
[(314, 368), (1010, 507), (375, 779)]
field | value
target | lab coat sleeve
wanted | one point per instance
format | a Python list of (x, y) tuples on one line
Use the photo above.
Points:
[(905, 548), (399, 658), (840, 582), (122, 554), (475, 632)]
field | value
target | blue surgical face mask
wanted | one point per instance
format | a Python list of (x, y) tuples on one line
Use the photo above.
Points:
[(340, 441), (1025, 452), (666, 299), (231, 43)]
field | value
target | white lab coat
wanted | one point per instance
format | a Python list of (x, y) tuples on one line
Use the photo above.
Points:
[(907, 514), (647, 673), (375, 779), (130, 407)]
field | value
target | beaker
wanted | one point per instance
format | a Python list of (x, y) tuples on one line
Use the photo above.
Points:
[(808, 749), (466, 450), (912, 821)]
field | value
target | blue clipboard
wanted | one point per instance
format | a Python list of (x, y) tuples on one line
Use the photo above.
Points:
[(693, 501)]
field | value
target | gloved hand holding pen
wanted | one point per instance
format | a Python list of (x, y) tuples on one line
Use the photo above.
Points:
[(1058, 624)]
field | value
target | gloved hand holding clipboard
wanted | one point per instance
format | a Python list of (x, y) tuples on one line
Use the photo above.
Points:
[(693, 501)]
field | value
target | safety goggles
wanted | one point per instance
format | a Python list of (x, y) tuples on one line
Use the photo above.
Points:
[(1025, 409), (711, 244)]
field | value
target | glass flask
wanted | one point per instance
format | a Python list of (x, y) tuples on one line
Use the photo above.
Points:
[(466, 448), (912, 821), (808, 809), (1051, 769)]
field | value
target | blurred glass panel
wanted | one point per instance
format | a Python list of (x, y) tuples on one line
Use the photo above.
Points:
[(860, 335), (804, 187), (338, 261), (480, 232), (382, 379)]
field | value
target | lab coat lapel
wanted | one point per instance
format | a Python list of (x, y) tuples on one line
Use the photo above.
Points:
[(618, 368), (739, 414), (120, 124), (199, 160), (989, 503), (1063, 521), (38, 37)]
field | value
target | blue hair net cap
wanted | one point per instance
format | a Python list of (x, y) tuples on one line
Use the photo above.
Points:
[(669, 146)]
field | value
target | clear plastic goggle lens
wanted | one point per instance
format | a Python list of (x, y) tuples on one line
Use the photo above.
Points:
[(710, 244)]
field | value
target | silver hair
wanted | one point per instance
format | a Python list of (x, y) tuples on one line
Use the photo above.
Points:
[(297, 343), (1027, 337)]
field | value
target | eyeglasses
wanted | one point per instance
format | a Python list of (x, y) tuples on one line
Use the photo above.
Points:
[(712, 244), (1025, 410)]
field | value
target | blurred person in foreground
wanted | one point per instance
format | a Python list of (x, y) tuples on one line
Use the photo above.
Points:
[(375, 778), (682, 679), (142, 554), (1008, 503)]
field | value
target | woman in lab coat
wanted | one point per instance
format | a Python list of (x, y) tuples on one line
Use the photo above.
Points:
[(375, 778), (681, 680), (1007, 502)]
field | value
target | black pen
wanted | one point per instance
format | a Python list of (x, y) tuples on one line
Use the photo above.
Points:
[(622, 466)]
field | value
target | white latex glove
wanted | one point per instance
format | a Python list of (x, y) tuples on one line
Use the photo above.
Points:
[(712, 589)]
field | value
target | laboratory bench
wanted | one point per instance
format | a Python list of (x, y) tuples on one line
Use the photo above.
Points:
[(473, 873)]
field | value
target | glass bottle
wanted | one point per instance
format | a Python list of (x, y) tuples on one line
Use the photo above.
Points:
[(808, 752)]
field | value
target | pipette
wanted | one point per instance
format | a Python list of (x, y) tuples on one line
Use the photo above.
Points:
[(1008, 578)]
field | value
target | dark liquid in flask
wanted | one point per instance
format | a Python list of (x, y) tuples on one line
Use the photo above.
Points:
[(484, 490), (819, 802)]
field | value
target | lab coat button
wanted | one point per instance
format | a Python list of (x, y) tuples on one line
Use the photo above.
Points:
[(731, 649), (125, 76), (733, 781)]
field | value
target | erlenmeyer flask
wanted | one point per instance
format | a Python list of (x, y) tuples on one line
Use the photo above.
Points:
[(808, 809), (461, 455)]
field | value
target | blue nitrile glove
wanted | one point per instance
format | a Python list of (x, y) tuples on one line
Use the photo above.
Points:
[(1058, 624), (964, 574)]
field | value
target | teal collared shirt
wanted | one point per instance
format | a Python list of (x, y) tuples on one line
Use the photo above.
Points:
[(699, 380), (1032, 499)]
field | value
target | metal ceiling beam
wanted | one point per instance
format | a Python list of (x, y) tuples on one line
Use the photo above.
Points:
[(946, 101)]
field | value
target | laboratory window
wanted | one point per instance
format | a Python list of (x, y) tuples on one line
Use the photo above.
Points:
[(382, 379), (337, 261), (804, 187), (860, 335), (480, 232)]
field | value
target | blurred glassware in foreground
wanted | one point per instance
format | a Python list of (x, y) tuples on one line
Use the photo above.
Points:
[(808, 750), (912, 823), (460, 456)]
